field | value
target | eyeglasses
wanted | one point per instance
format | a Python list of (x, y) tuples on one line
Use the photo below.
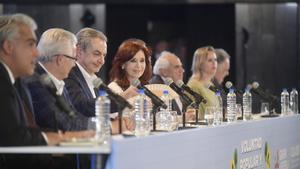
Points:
[(67, 56)]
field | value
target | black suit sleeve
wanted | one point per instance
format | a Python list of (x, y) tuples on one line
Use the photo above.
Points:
[(13, 132), (49, 115), (83, 104)]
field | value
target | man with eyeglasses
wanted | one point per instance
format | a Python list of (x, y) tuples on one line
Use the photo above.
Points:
[(56, 59), (17, 123)]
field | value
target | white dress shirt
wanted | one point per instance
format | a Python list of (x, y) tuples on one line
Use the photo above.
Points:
[(59, 84), (88, 78)]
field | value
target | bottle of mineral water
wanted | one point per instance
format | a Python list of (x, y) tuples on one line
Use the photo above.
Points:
[(163, 117), (218, 116), (142, 115), (294, 101), (102, 120), (231, 106), (284, 102), (247, 105)]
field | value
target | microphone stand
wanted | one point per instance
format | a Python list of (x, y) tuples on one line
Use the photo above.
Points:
[(120, 115), (183, 116), (153, 112), (197, 111)]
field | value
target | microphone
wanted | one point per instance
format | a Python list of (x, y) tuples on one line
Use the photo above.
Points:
[(119, 100), (229, 85), (197, 96), (60, 100), (259, 91), (185, 99), (155, 100), (213, 88)]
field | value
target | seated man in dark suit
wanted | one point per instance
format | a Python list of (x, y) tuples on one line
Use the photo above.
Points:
[(17, 125), (168, 65), (91, 50), (223, 59), (17, 54), (57, 57)]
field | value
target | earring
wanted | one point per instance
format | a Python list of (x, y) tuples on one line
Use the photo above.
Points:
[(123, 67)]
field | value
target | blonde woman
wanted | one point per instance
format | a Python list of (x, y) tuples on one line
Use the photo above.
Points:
[(204, 68)]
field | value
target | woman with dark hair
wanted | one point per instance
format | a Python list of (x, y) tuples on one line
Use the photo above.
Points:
[(132, 61)]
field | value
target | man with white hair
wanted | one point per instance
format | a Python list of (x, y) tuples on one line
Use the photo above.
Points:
[(168, 65), (57, 57), (17, 54)]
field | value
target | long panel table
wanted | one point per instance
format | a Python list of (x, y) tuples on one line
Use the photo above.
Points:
[(56, 149), (98, 153), (263, 144)]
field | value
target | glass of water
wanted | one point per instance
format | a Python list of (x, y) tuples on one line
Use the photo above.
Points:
[(94, 124), (218, 115), (264, 109), (238, 111), (174, 121), (209, 115)]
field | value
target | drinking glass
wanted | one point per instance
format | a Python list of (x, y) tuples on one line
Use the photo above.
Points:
[(238, 111), (264, 108), (209, 114), (174, 121), (218, 116)]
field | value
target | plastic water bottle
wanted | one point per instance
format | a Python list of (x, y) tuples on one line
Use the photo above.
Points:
[(167, 100), (102, 120), (284, 102), (294, 101), (218, 116), (231, 106), (163, 117), (247, 105), (142, 115)]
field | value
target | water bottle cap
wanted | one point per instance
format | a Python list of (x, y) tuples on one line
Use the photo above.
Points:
[(165, 92), (294, 88), (218, 93), (247, 89), (284, 89), (231, 90), (141, 91), (101, 93)]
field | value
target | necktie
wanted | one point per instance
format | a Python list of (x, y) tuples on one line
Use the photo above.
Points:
[(25, 112)]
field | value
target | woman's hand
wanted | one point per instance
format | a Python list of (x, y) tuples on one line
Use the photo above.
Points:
[(130, 92)]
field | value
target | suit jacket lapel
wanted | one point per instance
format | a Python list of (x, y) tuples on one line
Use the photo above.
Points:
[(83, 82), (19, 112)]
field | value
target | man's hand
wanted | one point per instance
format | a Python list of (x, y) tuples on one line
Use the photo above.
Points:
[(56, 138)]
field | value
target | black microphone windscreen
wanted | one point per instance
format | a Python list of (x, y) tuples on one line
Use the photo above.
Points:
[(213, 88)]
